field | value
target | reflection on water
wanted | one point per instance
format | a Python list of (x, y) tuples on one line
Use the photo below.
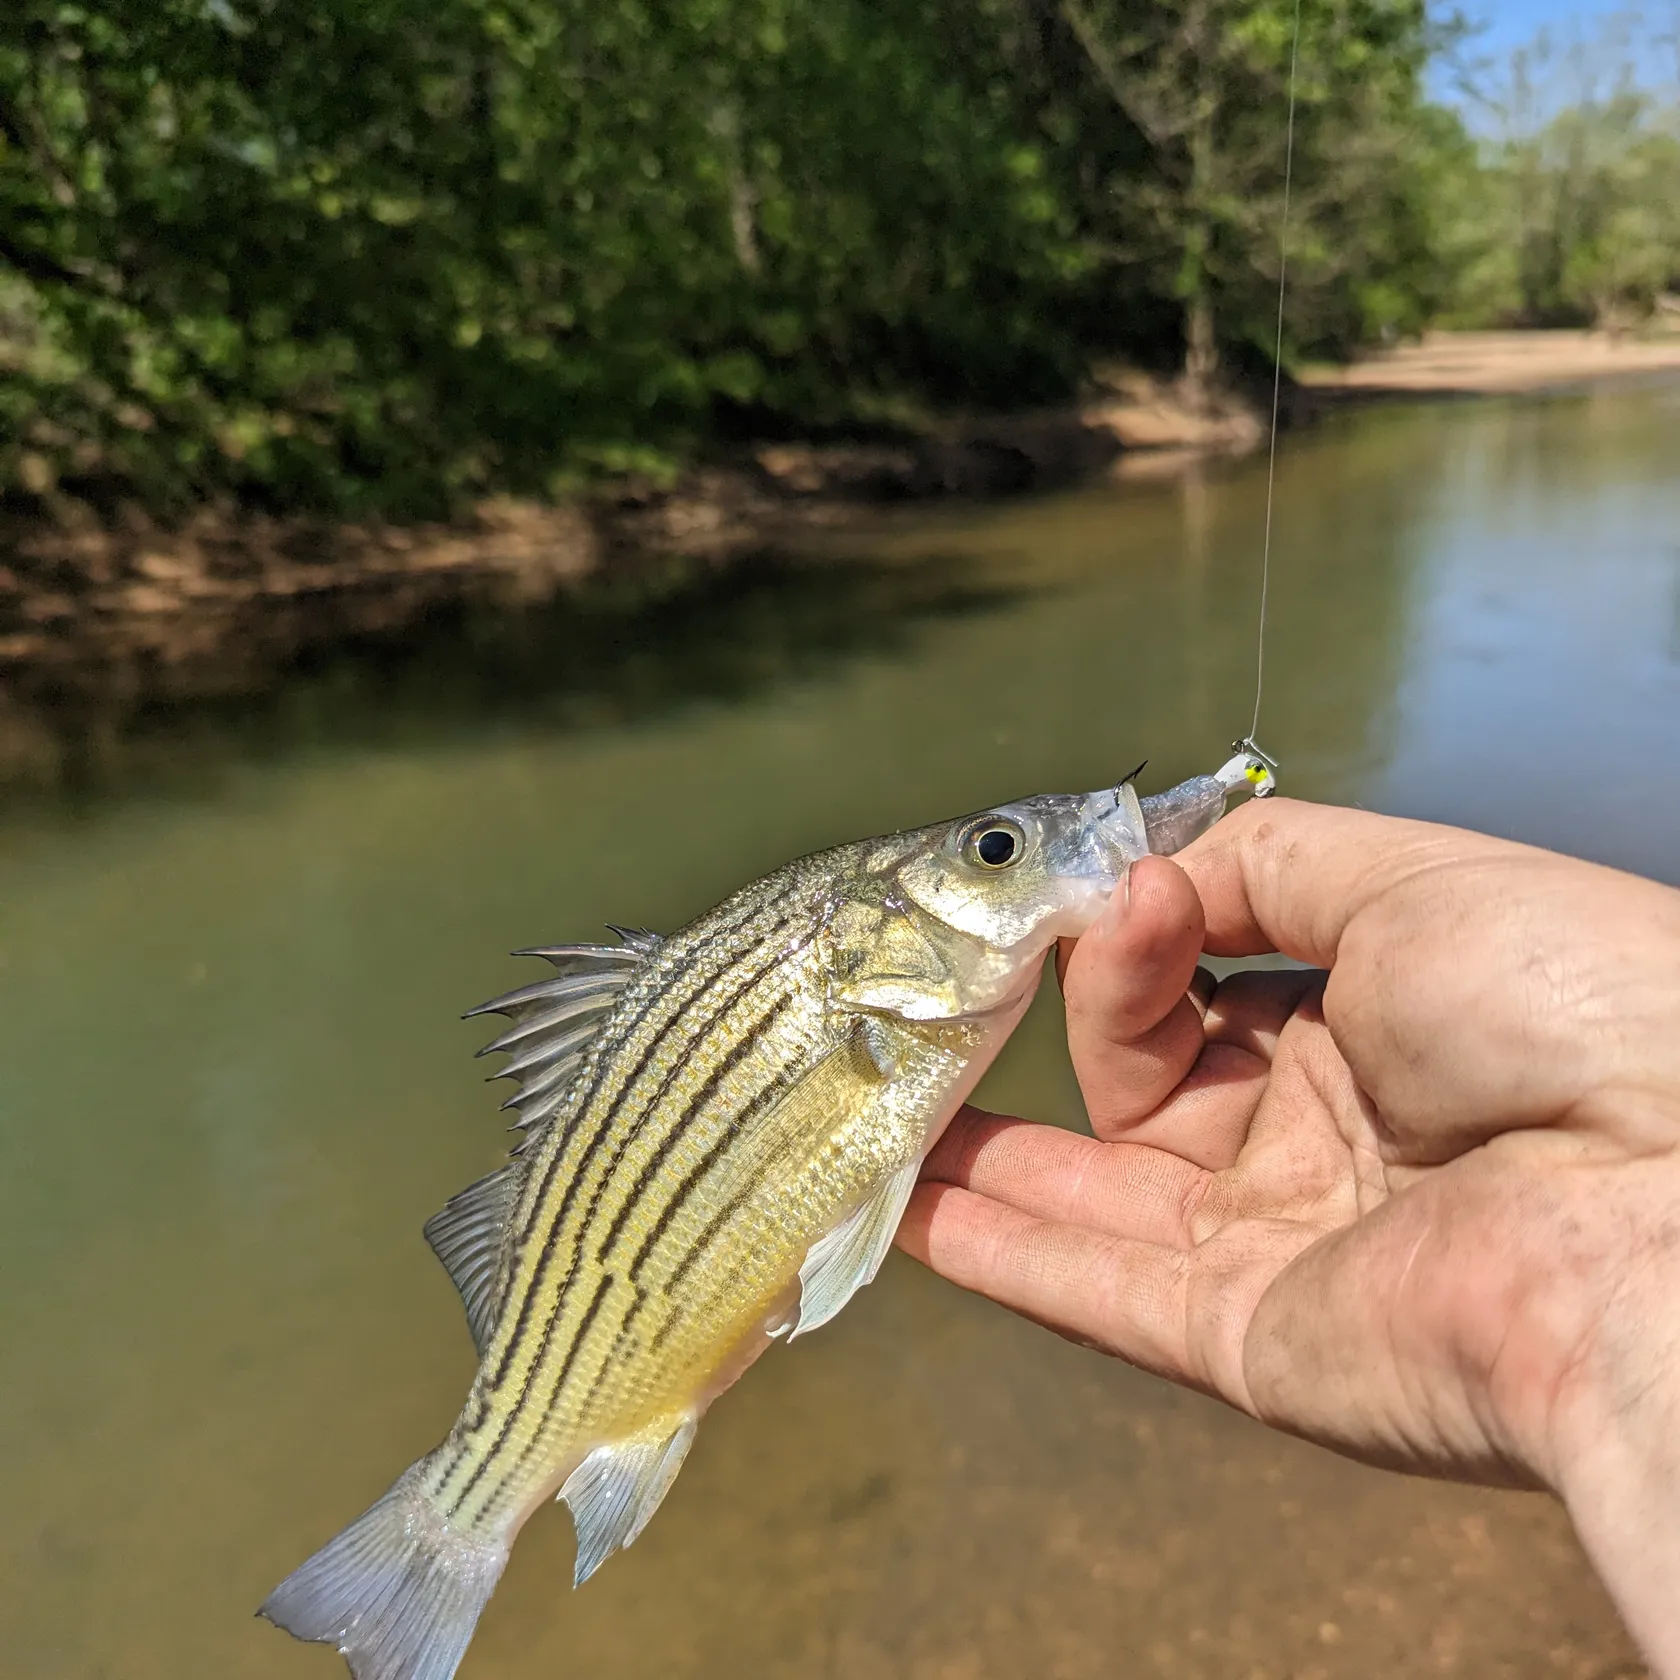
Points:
[(233, 1083), (617, 649), (1541, 693)]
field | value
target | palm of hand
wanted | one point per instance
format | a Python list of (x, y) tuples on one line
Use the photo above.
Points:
[(1342, 1208)]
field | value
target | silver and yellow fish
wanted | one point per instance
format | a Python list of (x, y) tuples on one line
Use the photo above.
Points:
[(723, 1128)]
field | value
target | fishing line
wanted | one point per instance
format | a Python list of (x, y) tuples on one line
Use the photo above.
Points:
[(1277, 378)]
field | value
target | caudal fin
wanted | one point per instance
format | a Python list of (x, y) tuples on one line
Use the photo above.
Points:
[(399, 1592)]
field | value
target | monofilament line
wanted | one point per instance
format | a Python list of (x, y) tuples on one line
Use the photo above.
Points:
[(1277, 377)]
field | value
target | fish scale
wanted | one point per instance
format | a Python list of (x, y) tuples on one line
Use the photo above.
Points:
[(722, 1129), (668, 1044)]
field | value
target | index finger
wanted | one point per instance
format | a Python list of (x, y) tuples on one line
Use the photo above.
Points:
[(1284, 875)]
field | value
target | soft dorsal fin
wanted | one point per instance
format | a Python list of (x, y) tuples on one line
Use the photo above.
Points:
[(469, 1234), (554, 1022)]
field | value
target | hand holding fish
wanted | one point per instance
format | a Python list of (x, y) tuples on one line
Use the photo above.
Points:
[(1421, 1204)]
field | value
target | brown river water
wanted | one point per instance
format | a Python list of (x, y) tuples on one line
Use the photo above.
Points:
[(233, 1082)]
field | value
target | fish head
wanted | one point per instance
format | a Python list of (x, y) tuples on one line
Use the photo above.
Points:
[(1022, 875)]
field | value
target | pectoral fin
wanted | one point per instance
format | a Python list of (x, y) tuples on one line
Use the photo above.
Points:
[(841, 1263), (914, 998), (882, 1044)]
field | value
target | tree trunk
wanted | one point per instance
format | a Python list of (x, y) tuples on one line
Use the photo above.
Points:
[(743, 198), (1201, 346)]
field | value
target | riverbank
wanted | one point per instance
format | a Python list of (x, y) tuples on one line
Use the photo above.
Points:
[(130, 605), (1484, 364), (127, 607)]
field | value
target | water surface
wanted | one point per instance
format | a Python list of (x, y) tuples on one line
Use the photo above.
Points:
[(233, 1081)]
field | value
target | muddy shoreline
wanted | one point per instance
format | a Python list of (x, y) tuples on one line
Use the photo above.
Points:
[(131, 606), (119, 611)]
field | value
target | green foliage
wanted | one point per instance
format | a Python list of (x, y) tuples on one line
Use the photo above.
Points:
[(1208, 83), (391, 255), (1571, 212)]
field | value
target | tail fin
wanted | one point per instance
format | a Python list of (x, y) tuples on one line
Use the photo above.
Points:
[(399, 1592)]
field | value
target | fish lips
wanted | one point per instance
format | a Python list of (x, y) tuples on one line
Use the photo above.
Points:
[(1089, 840)]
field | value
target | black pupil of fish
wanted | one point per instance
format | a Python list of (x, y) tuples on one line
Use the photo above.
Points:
[(996, 846)]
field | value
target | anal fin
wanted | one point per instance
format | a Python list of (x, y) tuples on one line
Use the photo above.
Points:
[(848, 1257), (614, 1492)]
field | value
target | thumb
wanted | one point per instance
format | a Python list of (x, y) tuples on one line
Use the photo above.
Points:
[(1133, 1031)]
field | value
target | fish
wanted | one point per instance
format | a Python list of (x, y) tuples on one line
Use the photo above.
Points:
[(721, 1129)]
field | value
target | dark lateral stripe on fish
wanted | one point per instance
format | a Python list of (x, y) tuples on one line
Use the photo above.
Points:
[(697, 1250), (727, 1134), (703, 1166), (579, 1337), (550, 1246), (738, 1053), (731, 1130), (708, 1234), (774, 1090), (632, 1130), (766, 1099), (577, 1150), (484, 1463), (691, 969), (633, 1127), (614, 1351), (680, 998)]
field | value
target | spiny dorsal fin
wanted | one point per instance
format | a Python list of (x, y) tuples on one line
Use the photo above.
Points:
[(555, 1019), (468, 1234), (643, 941), (554, 1022)]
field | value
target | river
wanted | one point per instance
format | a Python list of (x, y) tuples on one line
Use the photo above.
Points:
[(234, 947)]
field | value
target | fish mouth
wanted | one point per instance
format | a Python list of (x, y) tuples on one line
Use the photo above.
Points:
[(1090, 840), (1115, 816)]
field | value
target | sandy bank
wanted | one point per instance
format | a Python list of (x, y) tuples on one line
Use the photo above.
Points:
[(1492, 363)]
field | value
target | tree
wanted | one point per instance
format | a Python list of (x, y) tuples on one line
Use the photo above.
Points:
[(1207, 82), (1582, 186), (393, 255)]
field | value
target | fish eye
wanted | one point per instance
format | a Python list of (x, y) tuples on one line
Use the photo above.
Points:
[(995, 843)]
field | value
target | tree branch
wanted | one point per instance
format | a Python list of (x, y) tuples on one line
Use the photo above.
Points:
[(1102, 61), (38, 266)]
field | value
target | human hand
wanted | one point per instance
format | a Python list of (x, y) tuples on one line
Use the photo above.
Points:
[(1423, 1208)]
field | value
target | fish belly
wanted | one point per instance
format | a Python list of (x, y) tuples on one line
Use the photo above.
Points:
[(660, 1243)]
